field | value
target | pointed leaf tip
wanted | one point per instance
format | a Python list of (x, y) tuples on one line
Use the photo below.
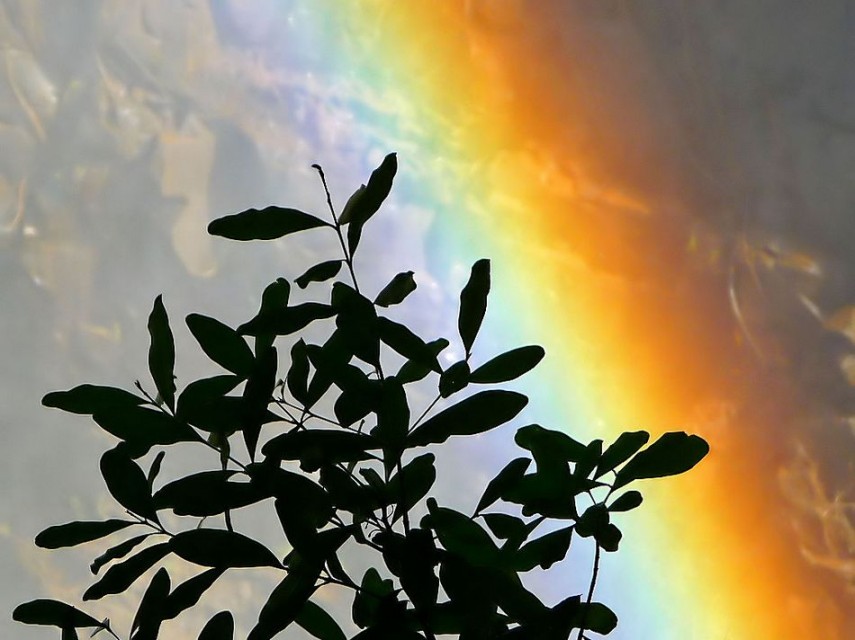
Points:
[(269, 223)]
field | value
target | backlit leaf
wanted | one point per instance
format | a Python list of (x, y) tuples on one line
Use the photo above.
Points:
[(509, 476), (120, 576), (187, 593), (150, 611), (473, 303), (673, 453), (508, 366), (476, 414), (221, 549), (127, 483), (74, 533), (397, 290), (221, 343), (621, 450), (269, 223), (365, 202), (161, 353), (220, 627), (318, 623), (626, 502), (87, 399), (319, 273), (53, 613), (118, 551), (407, 344), (286, 320)]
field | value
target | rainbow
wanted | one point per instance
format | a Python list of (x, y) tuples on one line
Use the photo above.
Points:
[(590, 262)]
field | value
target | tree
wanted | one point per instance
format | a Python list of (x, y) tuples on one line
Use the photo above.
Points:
[(354, 476)]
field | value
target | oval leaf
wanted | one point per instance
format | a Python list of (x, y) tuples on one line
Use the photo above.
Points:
[(161, 353), (407, 343), (626, 502), (319, 273), (121, 576), (365, 202), (621, 450), (221, 549), (221, 343), (87, 399), (187, 593), (53, 613), (220, 627), (473, 303), (508, 366), (399, 288), (673, 453), (319, 623), (119, 551), (74, 533), (476, 414), (269, 223), (127, 483)]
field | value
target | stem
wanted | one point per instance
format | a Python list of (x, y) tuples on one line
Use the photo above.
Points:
[(425, 412), (590, 591), (348, 259)]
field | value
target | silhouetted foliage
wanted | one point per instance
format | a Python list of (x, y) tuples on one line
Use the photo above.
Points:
[(355, 477)]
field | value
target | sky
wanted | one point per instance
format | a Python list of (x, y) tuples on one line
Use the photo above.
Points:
[(663, 189)]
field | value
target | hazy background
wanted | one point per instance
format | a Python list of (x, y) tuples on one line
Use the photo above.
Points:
[(126, 125)]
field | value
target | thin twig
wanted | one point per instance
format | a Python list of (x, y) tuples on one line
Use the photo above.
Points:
[(348, 259), (590, 591)]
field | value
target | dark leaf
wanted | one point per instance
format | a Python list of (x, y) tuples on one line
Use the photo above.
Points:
[(554, 443), (365, 203), (298, 493), (609, 537), (454, 379), (596, 617), (412, 483), (544, 551), (161, 353), (621, 450), (204, 404), (407, 344), (476, 414), (315, 447), (121, 576), (269, 223), (221, 549), (187, 593), (143, 427), (319, 273), (366, 603), (74, 533), (347, 495), (505, 526), (412, 371), (287, 320), (127, 483), (298, 374), (593, 520), (393, 420), (473, 303), (461, 535), (356, 322), (288, 598), (626, 502), (87, 399), (509, 365), (150, 612), (318, 623), (69, 633), (221, 343), (593, 451), (220, 627), (119, 551), (399, 288), (507, 478), (347, 210), (207, 493), (53, 613), (257, 394), (673, 453), (154, 469), (274, 299)]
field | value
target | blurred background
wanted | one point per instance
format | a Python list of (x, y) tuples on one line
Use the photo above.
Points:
[(664, 188)]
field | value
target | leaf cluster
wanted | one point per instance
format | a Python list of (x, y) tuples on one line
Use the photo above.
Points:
[(325, 432)]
